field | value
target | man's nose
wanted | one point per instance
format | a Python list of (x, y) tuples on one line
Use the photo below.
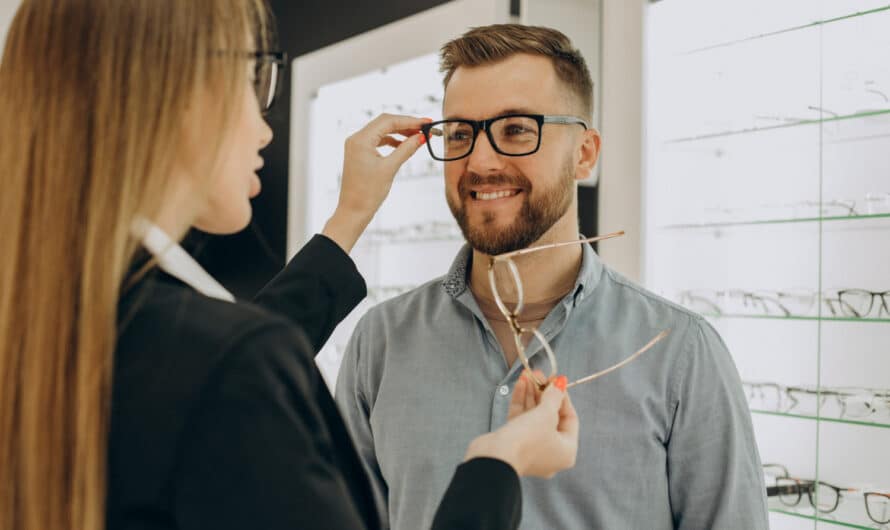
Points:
[(484, 159)]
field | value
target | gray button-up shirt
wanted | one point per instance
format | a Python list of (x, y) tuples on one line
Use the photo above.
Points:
[(666, 441)]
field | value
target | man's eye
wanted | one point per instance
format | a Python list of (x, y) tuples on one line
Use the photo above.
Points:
[(458, 137), (517, 129)]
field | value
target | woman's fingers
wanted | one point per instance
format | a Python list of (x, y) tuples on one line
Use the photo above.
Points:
[(389, 141), (517, 401), (568, 417), (391, 123)]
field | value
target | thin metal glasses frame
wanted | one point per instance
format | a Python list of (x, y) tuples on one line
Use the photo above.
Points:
[(517, 328)]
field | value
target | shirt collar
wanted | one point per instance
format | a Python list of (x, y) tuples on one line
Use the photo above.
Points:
[(176, 262), (455, 281)]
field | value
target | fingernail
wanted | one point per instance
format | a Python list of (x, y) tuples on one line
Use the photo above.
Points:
[(428, 120), (561, 382), (422, 139)]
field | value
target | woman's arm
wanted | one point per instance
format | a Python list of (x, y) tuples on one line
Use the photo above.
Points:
[(321, 285)]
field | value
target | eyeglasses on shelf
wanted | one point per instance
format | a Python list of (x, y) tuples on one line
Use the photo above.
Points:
[(847, 402), (839, 303)]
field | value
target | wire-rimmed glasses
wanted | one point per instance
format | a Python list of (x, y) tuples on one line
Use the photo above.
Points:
[(509, 135), (877, 506), (519, 332)]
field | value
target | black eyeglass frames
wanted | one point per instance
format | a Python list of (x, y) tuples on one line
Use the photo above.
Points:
[(268, 73), (509, 135)]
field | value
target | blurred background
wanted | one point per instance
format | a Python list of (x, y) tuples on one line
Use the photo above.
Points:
[(746, 152)]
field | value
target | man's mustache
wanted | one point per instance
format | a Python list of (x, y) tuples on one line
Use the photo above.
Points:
[(469, 180)]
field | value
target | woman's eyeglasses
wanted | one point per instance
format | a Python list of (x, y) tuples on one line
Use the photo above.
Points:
[(267, 77)]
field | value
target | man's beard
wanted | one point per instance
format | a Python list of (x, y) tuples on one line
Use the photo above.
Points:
[(535, 217)]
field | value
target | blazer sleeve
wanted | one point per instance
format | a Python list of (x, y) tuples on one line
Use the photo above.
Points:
[(258, 453), (484, 494), (317, 289)]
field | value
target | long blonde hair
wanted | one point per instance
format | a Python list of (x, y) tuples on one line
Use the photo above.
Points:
[(93, 95)]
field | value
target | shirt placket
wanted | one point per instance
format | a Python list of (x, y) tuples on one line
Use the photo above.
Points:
[(503, 389)]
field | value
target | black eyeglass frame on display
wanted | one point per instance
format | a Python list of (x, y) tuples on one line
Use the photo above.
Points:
[(433, 129)]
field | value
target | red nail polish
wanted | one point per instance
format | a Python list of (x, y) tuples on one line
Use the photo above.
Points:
[(561, 382), (422, 139)]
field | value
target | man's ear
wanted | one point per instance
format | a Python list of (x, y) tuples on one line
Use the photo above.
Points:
[(589, 154)]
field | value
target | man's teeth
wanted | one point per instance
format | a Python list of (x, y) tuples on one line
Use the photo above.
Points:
[(493, 195)]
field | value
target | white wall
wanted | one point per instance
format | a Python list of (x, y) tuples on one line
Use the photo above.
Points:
[(7, 11), (621, 166)]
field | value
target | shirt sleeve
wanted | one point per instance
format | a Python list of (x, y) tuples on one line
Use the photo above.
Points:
[(317, 289), (714, 472), (350, 393)]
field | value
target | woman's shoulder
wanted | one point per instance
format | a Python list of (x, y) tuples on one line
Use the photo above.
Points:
[(179, 355)]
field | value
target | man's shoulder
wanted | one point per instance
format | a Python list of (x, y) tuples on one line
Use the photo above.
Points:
[(410, 304), (629, 291)]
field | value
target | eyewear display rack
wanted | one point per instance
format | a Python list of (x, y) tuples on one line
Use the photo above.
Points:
[(767, 209), (413, 238)]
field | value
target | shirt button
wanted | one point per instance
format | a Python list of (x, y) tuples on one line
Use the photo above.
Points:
[(504, 390)]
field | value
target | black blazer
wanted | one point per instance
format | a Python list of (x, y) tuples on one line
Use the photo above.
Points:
[(221, 420)]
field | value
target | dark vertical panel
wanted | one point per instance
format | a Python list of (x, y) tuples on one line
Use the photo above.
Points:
[(246, 261), (588, 211)]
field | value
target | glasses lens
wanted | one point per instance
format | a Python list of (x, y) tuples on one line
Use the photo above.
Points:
[(450, 139), (824, 498), (856, 303), (878, 507), (516, 135), (790, 491), (266, 82)]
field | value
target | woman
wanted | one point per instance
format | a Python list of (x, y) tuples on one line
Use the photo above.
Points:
[(133, 392)]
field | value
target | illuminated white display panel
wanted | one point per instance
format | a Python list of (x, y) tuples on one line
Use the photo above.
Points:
[(413, 238), (767, 209)]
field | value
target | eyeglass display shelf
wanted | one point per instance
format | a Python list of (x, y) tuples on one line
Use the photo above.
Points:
[(821, 418), (792, 29), (691, 226), (799, 123), (851, 513), (824, 520), (777, 317)]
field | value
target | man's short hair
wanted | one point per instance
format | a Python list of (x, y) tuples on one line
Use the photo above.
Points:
[(491, 44)]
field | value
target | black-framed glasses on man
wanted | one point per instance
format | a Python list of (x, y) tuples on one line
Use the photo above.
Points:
[(509, 135), (520, 332), (268, 75)]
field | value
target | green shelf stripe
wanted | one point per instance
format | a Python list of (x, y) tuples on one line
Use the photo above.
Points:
[(788, 30), (814, 319), (821, 419), (820, 519), (800, 123), (778, 221)]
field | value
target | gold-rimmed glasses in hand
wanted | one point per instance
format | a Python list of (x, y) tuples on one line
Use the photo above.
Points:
[(519, 331)]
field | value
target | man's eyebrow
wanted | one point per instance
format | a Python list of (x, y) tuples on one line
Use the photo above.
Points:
[(505, 112)]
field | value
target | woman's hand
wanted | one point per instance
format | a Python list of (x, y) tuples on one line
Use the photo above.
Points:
[(541, 437), (368, 175)]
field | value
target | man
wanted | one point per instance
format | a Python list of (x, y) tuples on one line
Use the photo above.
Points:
[(666, 441)]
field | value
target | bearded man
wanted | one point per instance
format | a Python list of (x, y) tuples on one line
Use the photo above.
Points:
[(667, 440)]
